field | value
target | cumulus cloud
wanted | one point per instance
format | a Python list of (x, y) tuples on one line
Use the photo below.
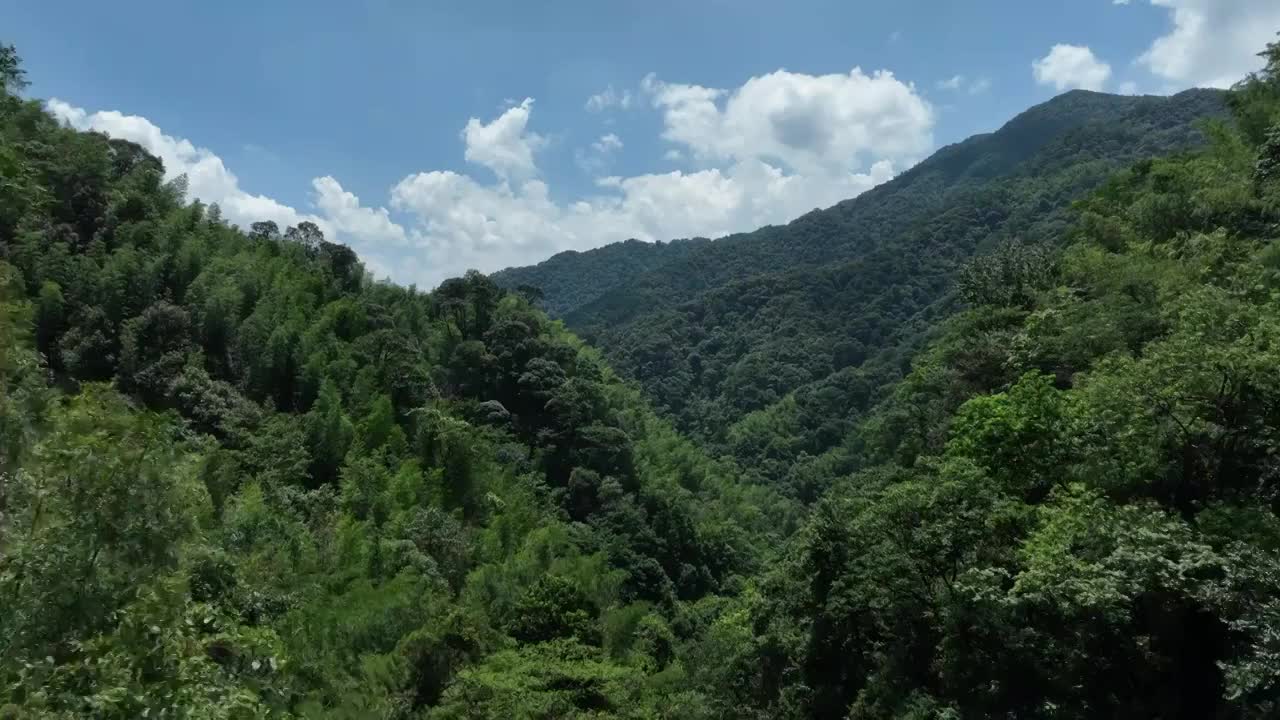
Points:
[(1067, 67), (805, 123), (776, 147), (1212, 43), (504, 146), (347, 216)]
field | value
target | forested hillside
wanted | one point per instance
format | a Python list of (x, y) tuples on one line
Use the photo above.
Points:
[(569, 280), (240, 479), (805, 322), (1068, 509)]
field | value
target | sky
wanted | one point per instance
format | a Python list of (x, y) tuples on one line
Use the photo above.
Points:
[(437, 137)]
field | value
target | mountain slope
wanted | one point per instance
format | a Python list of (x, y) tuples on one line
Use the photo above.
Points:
[(571, 279), (1068, 507), (731, 327), (263, 485)]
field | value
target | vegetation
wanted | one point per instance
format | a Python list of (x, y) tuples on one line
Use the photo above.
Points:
[(1068, 508), (571, 280), (774, 344), (240, 479)]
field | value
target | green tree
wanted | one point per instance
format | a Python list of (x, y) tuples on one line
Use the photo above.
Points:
[(103, 507), (1021, 438), (153, 350), (554, 607), (12, 77), (329, 434), (50, 319), (551, 680)]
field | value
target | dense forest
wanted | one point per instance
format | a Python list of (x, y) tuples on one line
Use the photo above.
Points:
[(572, 279), (239, 478), (805, 325)]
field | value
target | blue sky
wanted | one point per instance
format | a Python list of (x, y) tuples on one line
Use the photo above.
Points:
[(438, 136)]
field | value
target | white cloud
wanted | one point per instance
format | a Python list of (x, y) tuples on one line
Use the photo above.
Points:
[(609, 98), (979, 86), (779, 146), (952, 83), (1213, 43), (1128, 88), (503, 145), (776, 147), (347, 216), (808, 124), (1071, 66)]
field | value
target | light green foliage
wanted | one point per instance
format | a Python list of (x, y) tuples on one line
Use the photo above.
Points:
[(103, 505), (1091, 558), (1010, 275), (541, 682), (1267, 172), (22, 387), (329, 433), (166, 656), (553, 607), (1022, 438)]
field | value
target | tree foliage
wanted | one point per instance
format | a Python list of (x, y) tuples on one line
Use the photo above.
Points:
[(238, 478), (802, 326), (1067, 507)]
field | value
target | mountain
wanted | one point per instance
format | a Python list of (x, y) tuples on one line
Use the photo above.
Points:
[(239, 478), (715, 331), (571, 279), (1067, 508), (1068, 130)]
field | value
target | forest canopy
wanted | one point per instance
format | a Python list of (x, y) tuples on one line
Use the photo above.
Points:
[(774, 345)]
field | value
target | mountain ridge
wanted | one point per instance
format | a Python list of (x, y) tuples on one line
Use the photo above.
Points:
[(718, 329), (541, 275)]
